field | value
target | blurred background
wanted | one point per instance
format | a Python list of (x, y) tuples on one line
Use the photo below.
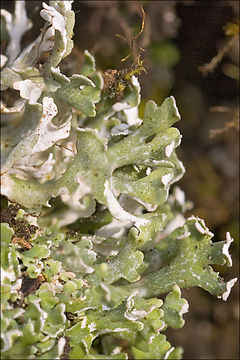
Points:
[(192, 53)]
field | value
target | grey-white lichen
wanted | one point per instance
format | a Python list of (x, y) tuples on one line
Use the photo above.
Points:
[(90, 238)]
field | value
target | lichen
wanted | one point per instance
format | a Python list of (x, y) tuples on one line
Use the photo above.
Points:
[(91, 238)]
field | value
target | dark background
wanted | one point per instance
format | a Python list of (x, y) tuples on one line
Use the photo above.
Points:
[(178, 38)]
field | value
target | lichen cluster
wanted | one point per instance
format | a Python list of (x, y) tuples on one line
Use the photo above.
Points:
[(91, 238)]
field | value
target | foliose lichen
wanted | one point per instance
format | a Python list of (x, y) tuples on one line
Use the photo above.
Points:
[(93, 238)]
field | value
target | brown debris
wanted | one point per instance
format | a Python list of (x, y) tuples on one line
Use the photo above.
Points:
[(66, 349), (22, 229), (109, 78), (29, 285), (22, 242)]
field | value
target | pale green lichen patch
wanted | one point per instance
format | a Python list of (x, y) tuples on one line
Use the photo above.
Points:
[(94, 242)]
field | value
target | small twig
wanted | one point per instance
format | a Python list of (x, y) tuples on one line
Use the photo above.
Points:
[(142, 27), (222, 109), (134, 52), (62, 146), (209, 67), (227, 125), (233, 123)]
